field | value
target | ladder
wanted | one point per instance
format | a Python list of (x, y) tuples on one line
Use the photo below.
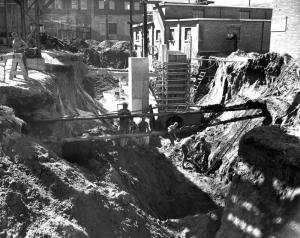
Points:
[(199, 79)]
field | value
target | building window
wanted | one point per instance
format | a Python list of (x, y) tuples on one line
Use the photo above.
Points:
[(83, 5), (187, 33), (58, 4), (157, 35), (137, 36), (137, 6), (74, 4), (101, 4), (172, 35), (244, 15), (198, 13), (127, 5), (112, 28), (112, 5)]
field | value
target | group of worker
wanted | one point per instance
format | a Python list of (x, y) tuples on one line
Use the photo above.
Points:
[(202, 149), (128, 126)]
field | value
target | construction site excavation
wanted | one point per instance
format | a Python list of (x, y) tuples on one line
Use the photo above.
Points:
[(129, 118)]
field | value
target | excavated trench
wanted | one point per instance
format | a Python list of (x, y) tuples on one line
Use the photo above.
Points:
[(159, 188)]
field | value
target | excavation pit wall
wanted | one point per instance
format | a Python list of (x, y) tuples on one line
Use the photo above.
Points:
[(158, 187), (263, 199)]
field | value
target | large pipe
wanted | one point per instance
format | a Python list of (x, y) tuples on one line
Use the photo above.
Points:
[(157, 133), (204, 109)]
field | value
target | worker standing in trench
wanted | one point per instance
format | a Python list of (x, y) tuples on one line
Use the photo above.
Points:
[(185, 146), (124, 123), (171, 131), (143, 127), (205, 149)]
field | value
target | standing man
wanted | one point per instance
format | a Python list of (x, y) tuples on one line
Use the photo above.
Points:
[(205, 149), (124, 123), (143, 127), (185, 146), (19, 46)]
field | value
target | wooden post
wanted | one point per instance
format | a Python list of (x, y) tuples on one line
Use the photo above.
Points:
[(6, 21), (130, 23), (37, 32), (23, 20)]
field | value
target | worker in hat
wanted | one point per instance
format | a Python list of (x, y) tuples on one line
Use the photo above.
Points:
[(124, 122), (143, 127)]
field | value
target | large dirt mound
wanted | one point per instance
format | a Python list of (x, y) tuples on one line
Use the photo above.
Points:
[(262, 78), (112, 193), (263, 201)]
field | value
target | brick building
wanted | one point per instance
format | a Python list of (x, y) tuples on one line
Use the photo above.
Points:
[(91, 19), (87, 19), (203, 29), (10, 23), (286, 27)]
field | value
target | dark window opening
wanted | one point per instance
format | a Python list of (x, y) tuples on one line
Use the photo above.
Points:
[(112, 28), (187, 34)]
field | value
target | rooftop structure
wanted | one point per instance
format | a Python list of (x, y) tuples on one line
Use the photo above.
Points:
[(204, 29)]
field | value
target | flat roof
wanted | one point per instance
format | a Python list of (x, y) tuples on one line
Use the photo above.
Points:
[(218, 19), (165, 4)]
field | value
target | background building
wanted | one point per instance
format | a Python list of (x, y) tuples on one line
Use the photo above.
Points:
[(203, 29), (91, 19), (86, 19)]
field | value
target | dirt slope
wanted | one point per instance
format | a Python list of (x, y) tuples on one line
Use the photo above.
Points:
[(118, 193)]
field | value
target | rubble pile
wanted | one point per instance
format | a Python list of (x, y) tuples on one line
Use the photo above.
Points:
[(105, 54), (99, 81)]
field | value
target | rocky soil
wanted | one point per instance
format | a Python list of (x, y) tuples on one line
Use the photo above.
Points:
[(98, 189)]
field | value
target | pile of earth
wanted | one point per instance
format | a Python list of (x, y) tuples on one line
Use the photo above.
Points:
[(105, 54), (268, 79), (109, 192), (57, 92), (109, 54), (98, 81)]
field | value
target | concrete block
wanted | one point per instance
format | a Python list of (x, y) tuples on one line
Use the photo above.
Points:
[(138, 81)]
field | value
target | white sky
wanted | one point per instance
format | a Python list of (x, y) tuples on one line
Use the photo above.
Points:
[(266, 3)]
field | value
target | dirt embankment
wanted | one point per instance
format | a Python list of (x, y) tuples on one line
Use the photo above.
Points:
[(113, 192), (108, 192), (263, 199), (262, 78)]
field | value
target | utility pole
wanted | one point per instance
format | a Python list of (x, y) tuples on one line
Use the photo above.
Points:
[(23, 20), (37, 25), (145, 29), (130, 21), (106, 9), (6, 21)]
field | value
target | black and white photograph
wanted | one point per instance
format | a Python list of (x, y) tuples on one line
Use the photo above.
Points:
[(149, 118)]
